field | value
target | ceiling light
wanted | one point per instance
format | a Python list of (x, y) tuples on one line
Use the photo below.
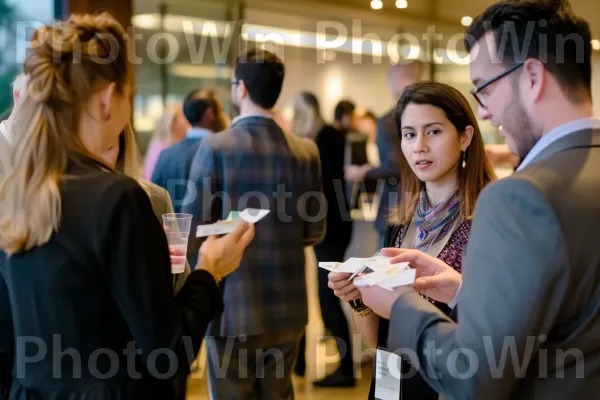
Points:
[(401, 4), (466, 20), (376, 4), (596, 44)]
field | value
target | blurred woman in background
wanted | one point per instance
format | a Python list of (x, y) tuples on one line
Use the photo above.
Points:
[(444, 168), (308, 122), (171, 127), (84, 258)]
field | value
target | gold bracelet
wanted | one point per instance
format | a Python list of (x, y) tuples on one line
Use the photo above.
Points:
[(363, 312), (218, 278)]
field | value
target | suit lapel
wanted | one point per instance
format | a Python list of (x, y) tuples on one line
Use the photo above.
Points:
[(585, 138)]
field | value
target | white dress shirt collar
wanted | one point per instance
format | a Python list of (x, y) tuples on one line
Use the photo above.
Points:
[(197, 133), (558, 133), (241, 117)]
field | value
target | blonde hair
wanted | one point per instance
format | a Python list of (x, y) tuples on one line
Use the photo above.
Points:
[(65, 63), (307, 115), (128, 159), (164, 126)]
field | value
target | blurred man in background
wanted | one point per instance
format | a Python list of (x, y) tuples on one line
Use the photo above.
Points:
[(253, 344), (388, 143), (201, 109)]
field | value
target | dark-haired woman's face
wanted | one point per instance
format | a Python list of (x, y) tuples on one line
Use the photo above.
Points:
[(431, 144)]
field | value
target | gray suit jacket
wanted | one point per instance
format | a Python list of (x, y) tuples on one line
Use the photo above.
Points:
[(531, 288), (161, 204)]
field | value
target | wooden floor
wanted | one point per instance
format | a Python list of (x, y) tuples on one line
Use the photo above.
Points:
[(317, 361), (304, 390)]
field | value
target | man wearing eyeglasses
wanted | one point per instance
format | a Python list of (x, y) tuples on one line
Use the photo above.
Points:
[(528, 308)]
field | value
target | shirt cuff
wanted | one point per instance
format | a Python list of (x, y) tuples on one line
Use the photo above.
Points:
[(452, 303)]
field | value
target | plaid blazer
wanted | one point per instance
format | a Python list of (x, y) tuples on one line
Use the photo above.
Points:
[(255, 164)]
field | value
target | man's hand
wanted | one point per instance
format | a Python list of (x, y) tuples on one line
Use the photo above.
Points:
[(435, 278), (355, 173), (221, 256), (382, 300), (343, 288)]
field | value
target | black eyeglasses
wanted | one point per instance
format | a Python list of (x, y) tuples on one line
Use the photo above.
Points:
[(475, 92)]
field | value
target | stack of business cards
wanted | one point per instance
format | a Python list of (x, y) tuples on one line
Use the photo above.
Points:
[(250, 215), (376, 270), (389, 277)]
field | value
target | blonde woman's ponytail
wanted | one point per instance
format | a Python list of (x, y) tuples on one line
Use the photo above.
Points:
[(62, 70)]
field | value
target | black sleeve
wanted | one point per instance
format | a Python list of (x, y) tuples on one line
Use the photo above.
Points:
[(6, 337), (327, 151), (135, 258), (314, 230)]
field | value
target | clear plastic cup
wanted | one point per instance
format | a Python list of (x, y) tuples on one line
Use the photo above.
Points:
[(177, 228)]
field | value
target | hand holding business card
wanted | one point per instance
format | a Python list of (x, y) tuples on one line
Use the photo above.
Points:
[(389, 277), (250, 215), (376, 270)]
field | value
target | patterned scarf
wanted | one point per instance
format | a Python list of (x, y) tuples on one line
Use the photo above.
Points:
[(434, 223)]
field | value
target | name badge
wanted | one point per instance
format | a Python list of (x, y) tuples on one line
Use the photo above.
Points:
[(387, 375)]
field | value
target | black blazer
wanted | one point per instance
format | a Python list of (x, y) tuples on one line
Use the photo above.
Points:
[(332, 146), (102, 283), (6, 340)]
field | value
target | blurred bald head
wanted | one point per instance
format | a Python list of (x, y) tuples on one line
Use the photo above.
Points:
[(19, 88), (403, 74)]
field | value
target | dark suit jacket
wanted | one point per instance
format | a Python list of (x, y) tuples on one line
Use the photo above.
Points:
[(388, 173), (531, 284), (332, 145), (255, 164), (7, 337), (172, 171)]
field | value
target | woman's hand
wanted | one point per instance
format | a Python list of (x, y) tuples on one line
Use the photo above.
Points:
[(221, 256), (343, 288)]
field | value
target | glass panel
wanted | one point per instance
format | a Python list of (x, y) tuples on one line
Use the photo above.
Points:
[(181, 46), (18, 19)]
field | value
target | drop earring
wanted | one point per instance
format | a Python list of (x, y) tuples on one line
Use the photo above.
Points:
[(464, 157)]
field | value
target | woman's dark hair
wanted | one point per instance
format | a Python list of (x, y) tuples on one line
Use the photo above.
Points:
[(478, 171)]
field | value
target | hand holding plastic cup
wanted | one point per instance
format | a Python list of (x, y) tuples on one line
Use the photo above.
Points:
[(177, 228)]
